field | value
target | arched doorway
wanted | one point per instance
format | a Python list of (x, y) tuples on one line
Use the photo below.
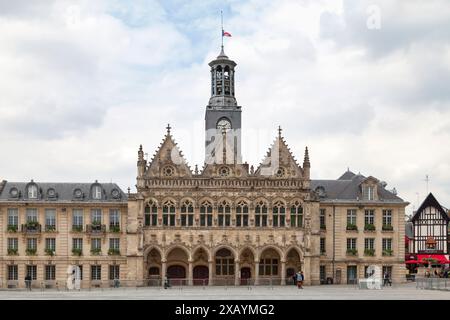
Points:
[(176, 266), (153, 268), (247, 263), (246, 275), (293, 265), (269, 267), (200, 275), (224, 260)]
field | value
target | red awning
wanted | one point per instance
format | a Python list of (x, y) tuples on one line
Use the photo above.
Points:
[(440, 258), (412, 262)]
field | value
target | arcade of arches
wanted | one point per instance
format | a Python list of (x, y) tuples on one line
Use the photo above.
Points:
[(223, 265)]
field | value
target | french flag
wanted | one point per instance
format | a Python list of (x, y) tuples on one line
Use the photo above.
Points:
[(226, 34)]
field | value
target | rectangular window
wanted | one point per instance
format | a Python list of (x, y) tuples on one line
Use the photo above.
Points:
[(322, 246), (268, 267), (114, 243), (151, 215), (96, 272), (13, 272), (369, 217), (351, 243), (323, 275), (81, 272), (351, 217), (323, 219), (96, 244), (50, 272), (387, 217), (369, 244), (114, 218), (296, 216), (388, 270), (32, 214), (31, 244), (50, 244), (50, 218), (13, 217), (96, 216), (77, 243), (368, 192), (13, 244), (77, 218), (114, 272), (387, 244), (32, 271)]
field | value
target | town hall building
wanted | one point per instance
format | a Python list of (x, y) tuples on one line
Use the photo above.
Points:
[(227, 223)]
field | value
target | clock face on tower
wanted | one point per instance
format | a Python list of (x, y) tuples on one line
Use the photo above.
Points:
[(224, 124)]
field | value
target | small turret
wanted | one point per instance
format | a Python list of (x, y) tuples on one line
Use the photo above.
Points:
[(141, 163), (306, 165)]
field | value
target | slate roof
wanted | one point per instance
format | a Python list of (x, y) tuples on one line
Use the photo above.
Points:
[(347, 187), (63, 191)]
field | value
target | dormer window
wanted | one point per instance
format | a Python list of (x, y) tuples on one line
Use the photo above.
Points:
[(97, 192), (368, 192), (32, 191)]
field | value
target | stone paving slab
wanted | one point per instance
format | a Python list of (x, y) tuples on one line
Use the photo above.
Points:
[(331, 292)]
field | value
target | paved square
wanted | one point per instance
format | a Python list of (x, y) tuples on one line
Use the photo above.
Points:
[(332, 292)]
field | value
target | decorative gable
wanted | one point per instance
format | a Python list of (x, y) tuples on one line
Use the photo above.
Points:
[(279, 162), (168, 161)]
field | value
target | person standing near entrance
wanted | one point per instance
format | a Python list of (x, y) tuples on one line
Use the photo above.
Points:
[(299, 279), (28, 282)]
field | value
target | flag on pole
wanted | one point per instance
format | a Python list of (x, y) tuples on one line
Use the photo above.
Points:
[(226, 34)]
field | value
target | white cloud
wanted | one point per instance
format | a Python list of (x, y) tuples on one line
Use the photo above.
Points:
[(83, 84)]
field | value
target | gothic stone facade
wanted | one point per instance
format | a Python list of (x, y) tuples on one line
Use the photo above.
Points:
[(227, 223)]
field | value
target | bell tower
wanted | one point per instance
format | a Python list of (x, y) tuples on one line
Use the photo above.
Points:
[(223, 115)]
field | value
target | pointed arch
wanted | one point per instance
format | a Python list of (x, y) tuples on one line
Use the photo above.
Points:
[(148, 249), (178, 246), (224, 246), (202, 247)]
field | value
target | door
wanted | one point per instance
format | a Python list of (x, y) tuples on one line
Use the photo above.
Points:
[(351, 275), (200, 275), (176, 274), (290, 273), (246, 275)]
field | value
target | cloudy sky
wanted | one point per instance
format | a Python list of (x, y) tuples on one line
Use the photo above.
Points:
[(365, 84)]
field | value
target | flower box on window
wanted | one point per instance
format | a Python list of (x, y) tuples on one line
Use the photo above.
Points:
[(369, 227), (387, 227), (114, 252), (369, 252), (50, 228), (96, 251), (352, 252), (12, 228), (12, 252), (77, 252), (50, 252), (30, 252), (77, 228), (351, 226), (387, 252), (114, 228)]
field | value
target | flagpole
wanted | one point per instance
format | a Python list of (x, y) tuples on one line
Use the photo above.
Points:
[(221, 16)]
